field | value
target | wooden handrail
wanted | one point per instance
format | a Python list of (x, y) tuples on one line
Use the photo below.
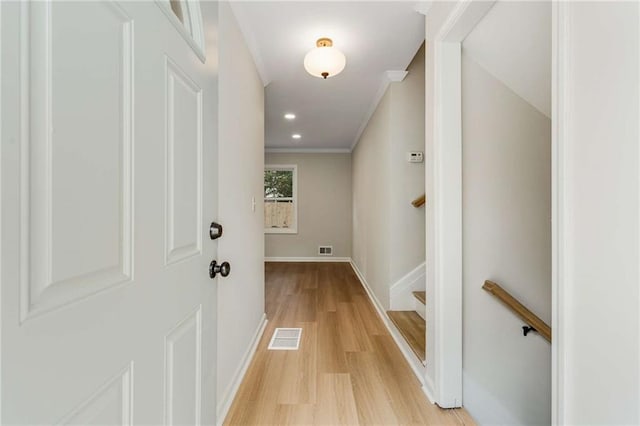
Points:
[(419, 201), (519, 309)]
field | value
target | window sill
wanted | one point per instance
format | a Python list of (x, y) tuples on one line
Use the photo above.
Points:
[(281, 231)]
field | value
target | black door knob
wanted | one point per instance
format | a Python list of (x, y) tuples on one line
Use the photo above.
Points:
[(223, 269)]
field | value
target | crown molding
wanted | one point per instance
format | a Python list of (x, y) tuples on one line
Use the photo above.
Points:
[(390, 76), (250, 41), (307, 151)]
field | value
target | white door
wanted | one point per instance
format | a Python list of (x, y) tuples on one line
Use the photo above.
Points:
[(108, 186)]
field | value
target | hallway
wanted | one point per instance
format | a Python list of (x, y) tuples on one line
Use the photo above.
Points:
[(348, 369)]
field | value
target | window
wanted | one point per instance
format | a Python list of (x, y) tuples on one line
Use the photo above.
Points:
[(280, 199), (186, 17), (176, 7)]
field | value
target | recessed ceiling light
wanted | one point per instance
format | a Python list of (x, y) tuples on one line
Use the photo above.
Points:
[(289, 116), (296, 136)]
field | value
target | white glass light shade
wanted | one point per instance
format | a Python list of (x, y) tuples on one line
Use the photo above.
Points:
[(324, 61)]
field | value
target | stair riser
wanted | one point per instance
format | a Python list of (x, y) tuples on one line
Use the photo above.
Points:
[(420, 309)]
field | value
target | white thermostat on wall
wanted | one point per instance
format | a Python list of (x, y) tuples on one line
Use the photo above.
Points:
[(415, 157)]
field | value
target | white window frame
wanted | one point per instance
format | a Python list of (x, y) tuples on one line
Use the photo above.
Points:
[(286, 167), (192, 30)]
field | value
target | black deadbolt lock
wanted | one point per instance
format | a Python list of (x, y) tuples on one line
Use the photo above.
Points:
[(215, 231)]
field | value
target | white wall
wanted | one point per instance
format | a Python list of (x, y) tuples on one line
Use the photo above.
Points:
[(388, 232), (407, 180), (241, 165), (506, 152), (324, 206), (595, 202), (371, 190), (513, 42), (596, 279)]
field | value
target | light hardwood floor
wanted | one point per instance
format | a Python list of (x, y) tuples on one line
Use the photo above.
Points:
[(348, 370)]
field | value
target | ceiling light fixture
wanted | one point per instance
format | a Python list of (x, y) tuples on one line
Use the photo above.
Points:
[(296, 136), (325, 60), (289, 116)]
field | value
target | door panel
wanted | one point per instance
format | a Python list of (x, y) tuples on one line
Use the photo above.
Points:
[(184, 164), (110, 405), (80, 163), (182, 376), (107, 120)]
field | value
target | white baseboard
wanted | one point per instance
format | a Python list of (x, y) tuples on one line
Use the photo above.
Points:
[(224, 401), (372, 296), (416, 366), (429, 389), (308, 259), (401, 293)]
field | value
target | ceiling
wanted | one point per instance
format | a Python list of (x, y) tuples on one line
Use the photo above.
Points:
[(513, 43), (376, 37)]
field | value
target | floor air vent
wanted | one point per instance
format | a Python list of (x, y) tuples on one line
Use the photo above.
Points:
[(285, 339)]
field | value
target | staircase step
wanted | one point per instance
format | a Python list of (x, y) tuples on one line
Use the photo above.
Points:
[(421, 296), (413, 329)]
